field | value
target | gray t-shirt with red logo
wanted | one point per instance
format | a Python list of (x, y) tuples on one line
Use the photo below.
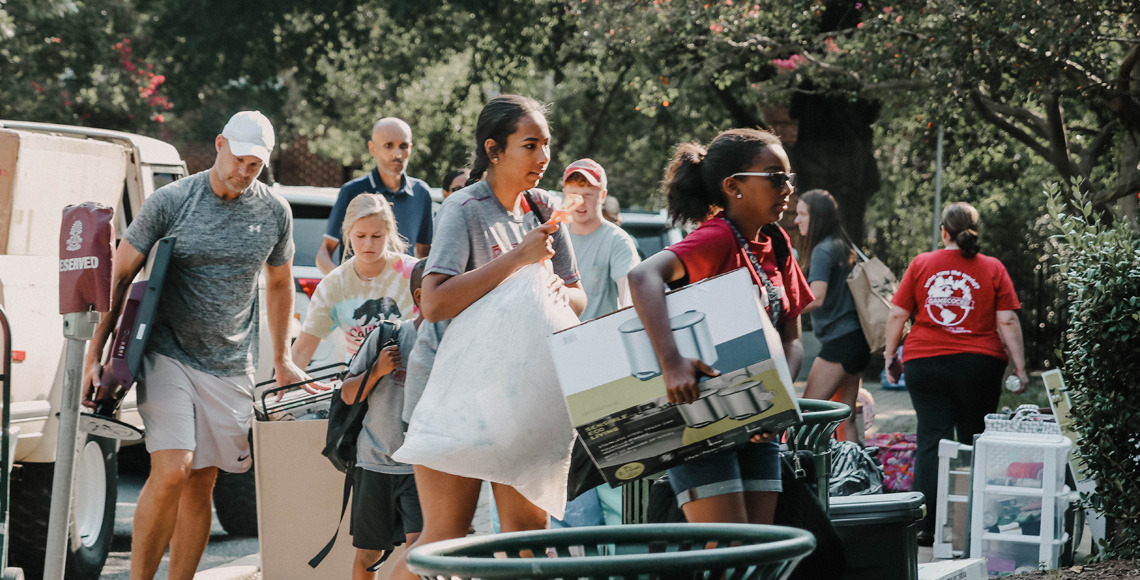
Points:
[(208, 314)]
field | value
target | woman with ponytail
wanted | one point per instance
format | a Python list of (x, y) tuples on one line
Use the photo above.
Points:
[(736, 189), (965, 332), (487, 232)]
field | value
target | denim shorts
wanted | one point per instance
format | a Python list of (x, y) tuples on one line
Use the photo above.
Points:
[(750, 467)]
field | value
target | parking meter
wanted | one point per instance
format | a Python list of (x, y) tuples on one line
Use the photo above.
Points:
[(86, 242), (85, 247)]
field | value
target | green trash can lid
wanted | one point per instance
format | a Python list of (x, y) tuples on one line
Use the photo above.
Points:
[(753, 552)]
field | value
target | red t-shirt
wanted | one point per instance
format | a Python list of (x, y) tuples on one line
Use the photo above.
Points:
[(955, 301), (712, 249)]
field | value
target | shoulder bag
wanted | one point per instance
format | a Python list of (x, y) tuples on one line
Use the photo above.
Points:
[(872, 286)]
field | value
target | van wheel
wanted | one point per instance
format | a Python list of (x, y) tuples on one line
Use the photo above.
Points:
[(92, 524), (235, 502)]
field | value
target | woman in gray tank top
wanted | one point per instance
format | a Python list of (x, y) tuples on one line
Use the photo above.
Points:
[(827, 258)]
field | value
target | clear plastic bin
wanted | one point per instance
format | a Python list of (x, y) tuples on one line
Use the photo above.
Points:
[(1025, 460), (1020, 515), (1005, 558), (1019, 500)]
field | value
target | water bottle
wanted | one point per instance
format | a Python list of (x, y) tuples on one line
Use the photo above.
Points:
[(1013, 383)]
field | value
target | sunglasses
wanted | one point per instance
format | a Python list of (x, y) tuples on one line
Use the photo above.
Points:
[(778, 179)]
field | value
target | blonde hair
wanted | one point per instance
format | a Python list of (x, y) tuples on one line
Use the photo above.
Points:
[(367, 205)]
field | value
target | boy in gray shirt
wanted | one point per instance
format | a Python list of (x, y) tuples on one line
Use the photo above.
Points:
[(385, 505)]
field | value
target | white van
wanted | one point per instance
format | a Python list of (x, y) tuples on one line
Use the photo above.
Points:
[(44, 168)]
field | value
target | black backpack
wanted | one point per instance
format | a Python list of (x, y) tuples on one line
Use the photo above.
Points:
[(345, 423)]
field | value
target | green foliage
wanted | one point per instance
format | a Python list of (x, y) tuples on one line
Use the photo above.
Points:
[(1100, 266), (1054, 75), (77, 62)]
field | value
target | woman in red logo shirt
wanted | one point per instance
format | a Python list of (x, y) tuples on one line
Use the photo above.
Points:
[(965, 330)]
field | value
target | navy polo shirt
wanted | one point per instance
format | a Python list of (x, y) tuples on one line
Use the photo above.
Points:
[(411, 205)]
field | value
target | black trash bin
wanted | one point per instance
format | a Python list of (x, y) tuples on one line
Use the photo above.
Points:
[(879, 534)]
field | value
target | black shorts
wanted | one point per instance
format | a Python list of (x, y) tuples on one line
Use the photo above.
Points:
[(385, 509), (850, 350)]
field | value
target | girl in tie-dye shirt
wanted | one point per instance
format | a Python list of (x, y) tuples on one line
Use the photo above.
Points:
[(367, 288)]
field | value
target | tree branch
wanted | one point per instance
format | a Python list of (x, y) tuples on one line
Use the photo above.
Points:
[(1058, 141), (600, 119), (1097, 147), (740, 113), (1125, 105), (983, 105), (1104, 197)]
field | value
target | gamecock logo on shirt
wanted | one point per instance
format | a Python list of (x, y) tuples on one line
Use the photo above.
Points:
[(949, 297)]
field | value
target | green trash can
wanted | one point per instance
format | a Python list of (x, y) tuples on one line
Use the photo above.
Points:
[(642, 551), (820, 418)]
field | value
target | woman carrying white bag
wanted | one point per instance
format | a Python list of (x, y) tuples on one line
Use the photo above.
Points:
[(492, 408)]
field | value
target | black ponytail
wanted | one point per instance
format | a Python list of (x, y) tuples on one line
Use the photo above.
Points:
[(684, 187), (694, 176), (968, 243), (497, 121)]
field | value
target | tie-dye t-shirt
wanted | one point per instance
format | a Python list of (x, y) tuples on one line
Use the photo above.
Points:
[(343, 300)]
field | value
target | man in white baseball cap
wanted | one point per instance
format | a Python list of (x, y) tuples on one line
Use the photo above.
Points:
[(196, 385), (250, 133)]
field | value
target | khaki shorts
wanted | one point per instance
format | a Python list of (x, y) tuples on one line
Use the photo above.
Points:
[(185, 408)]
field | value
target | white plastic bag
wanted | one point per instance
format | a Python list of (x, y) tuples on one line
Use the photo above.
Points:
[(492, 408)]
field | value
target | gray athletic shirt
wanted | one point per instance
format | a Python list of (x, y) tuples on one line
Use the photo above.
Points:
[(604, 256), (473, 228), (836, 316), (208, 315)]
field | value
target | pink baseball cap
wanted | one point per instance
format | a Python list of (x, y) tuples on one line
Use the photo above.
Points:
[(589, 169)]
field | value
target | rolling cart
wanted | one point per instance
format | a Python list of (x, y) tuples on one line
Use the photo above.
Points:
[(298, 489)]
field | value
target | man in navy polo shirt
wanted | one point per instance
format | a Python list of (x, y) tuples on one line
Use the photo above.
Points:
[(391, 145)]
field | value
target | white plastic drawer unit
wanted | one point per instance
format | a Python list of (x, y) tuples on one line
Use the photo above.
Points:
[(1024, 460), (1019, 500)]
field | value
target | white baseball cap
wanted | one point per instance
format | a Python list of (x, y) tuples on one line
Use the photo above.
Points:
[(250, 133)]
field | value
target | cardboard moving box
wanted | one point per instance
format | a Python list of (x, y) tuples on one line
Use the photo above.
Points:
[(616, 395), (298, 501)]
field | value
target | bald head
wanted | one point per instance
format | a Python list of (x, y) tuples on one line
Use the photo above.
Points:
[(393, 122), (391, 145)]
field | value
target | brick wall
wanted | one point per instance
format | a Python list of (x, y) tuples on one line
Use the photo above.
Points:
[(293, 165)]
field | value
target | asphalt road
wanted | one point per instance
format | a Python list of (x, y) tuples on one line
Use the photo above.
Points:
[(222, 548)]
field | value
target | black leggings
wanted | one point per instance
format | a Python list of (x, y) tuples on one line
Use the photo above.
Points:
[(951, 395)]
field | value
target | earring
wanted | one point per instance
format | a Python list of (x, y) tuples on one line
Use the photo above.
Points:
[(495, 159), (739, 196)]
